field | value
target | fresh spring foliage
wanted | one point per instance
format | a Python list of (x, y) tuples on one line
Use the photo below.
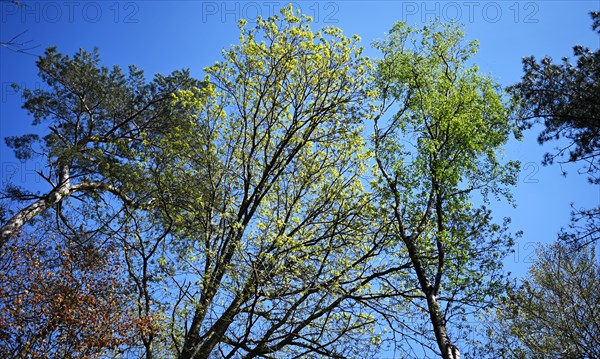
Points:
[(236, 214), (554, 310), (435, 152)]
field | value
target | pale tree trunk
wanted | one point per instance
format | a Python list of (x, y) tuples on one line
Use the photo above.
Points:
[(447, 349), (25, 215), (54, 197)]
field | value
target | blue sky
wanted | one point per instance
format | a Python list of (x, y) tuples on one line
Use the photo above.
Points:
[(161, 36)]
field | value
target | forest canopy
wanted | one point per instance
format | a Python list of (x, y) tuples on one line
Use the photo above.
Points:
[(300, 200)]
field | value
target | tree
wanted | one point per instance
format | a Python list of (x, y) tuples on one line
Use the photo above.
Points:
[(236, 203), (566, 97), (554, 311), (282, 248), (98, 121), (101, 124), (101, 127), (67, 302), (437, 151)]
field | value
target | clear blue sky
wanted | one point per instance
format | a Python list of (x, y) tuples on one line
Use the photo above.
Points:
[(161, 36)]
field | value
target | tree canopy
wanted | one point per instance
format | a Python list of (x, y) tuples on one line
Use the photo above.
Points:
[(433, 154), (566, 98), (301, 200), (554, 311)]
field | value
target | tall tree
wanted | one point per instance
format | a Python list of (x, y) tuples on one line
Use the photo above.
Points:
[(554, 311), (566, 97), (102, 125), (435, 153), (281, 247), (97, 121)]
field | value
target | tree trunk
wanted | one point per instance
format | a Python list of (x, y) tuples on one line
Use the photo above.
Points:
[(28, 213), (57, 195), (447, 349)]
